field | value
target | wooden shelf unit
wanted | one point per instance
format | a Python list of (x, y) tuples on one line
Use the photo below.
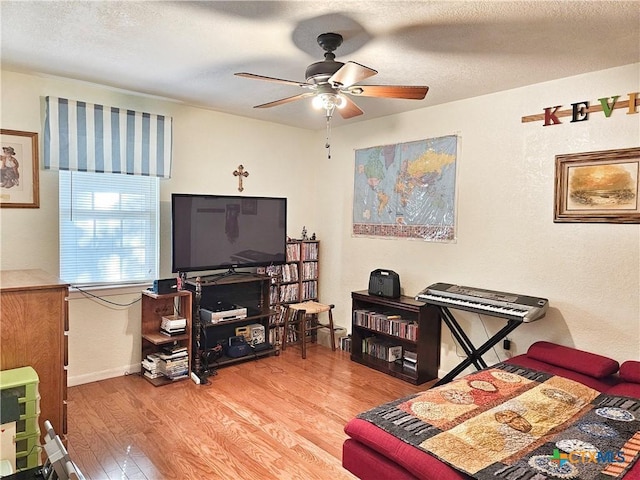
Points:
[(297, 280), (247, 290), (154, 307), (426, 347)]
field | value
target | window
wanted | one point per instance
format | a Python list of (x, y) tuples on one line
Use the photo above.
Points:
[(109, 226)]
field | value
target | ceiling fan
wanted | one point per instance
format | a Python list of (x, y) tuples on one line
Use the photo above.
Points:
[(331, 83)]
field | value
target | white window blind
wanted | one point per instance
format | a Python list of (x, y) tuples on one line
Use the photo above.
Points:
[(109, 227)]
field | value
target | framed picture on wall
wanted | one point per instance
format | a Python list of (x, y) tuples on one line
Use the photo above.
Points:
[(19, 169), (598, 187)]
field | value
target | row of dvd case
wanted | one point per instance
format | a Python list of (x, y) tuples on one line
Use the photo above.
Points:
[(391, 324)]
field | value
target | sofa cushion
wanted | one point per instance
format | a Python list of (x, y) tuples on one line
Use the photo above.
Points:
[(590, 364), (625, 389), (630, 371), (600, 384)]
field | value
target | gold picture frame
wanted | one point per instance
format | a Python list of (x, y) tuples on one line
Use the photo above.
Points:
[(598, 187), (19, 187)]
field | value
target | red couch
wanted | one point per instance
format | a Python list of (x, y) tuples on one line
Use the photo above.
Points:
[(371, 453)]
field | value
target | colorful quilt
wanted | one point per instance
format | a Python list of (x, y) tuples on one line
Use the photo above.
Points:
[(510, 422)]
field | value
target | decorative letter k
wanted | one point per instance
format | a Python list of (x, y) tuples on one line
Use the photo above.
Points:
[(550, 116)]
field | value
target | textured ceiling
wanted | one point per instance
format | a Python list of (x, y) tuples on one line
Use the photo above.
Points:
[(188, 51)]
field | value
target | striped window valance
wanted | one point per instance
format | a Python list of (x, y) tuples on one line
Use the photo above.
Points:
[(85, 137)]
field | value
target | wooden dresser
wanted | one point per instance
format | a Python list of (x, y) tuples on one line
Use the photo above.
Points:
[(33, 326)]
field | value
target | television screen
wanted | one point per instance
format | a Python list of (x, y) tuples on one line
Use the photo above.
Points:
[(213, 232)]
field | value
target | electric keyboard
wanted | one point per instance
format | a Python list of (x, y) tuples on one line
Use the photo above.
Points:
[(499, 304)]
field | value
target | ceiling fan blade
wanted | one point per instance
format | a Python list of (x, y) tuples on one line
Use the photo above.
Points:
[(282, 101), (272, 79), (350, 73), (350, 109), (389, 91)]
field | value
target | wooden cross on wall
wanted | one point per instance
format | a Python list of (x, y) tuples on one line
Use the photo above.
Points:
[(240, 173)]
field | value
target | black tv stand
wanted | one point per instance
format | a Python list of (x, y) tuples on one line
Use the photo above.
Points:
[(245, 289)]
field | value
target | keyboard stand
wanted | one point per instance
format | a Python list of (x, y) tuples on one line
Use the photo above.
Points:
[(474, 355)]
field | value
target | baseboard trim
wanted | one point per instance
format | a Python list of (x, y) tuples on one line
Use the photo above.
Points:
[(74, 380)]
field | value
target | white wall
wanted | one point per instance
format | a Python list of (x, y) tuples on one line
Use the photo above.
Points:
[(506, 238), (104, 337)]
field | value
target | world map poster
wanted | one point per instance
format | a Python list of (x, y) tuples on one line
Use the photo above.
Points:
[(406, 190)]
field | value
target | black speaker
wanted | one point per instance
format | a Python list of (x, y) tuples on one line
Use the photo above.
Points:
[(162, 287), (384, 283)]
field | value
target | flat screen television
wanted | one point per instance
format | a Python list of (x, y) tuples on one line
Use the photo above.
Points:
[(215, 232)]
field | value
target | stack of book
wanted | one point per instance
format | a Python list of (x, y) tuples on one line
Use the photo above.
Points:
[(345, 343), (174, 362), (171, 362), (173, 325), (150, 366), (410, 361)]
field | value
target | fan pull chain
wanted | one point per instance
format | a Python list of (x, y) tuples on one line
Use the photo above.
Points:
[(327, 145)]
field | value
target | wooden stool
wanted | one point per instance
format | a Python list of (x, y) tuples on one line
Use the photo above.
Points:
[(305, 317)]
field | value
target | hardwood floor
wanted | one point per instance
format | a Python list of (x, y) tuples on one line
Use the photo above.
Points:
[(279, 417)]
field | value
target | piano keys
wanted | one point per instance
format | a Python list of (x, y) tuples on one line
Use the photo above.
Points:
[(490, 302)]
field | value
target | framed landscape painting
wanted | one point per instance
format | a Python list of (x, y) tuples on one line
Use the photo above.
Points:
[(19, 169), (598, 187)]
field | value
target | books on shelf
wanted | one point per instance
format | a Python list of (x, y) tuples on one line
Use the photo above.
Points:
[(173, 325), (410, 360), (412, 367), (293, 252), (345, 343), (297, 279), (171, 362), (282, 273), (174, 369), (389, 323), (150, 366), (169, 352), (382, 349), (289, 293), (310, 270), (309, 251), (309, 290), (410, 356), (290, 272), (173, 333)]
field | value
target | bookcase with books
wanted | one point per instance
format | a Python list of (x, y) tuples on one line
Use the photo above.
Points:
[(397, 336), (297, 280), (166, 336)]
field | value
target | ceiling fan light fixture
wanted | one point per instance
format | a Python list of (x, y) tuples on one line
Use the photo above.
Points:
[(328, 101), (317, 102)]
